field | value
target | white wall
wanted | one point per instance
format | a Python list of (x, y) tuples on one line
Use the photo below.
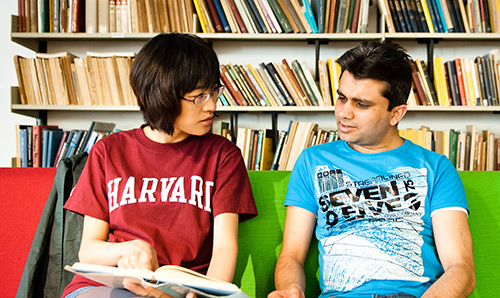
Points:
[(239, 52), (8, 79)]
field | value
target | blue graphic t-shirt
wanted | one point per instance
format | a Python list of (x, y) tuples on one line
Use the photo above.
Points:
[(374, 215)]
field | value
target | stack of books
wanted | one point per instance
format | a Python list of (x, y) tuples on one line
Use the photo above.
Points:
[(256, 145), (468, 150), (283, 16), (63, 79), (279, 84), (441, 16), (458, 82), (105, 16), (46, 145), (209, 16)]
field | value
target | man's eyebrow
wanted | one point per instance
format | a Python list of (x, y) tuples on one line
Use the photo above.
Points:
[(363, 100)]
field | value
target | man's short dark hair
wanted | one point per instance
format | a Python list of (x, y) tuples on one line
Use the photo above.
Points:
[(165, 69), (381, 61)]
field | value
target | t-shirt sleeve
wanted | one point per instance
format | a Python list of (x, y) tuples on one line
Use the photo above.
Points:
[(448, 190), (300, 191), (233, 193), (89, 195)]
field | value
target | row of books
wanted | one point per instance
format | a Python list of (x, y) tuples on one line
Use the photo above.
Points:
[(468, 150), (469, 16), (236, 16), (279, 84), (46, 145), (256, 145), (103, 79), (458, 82), (62, 79), (283, 16), (105, 16)]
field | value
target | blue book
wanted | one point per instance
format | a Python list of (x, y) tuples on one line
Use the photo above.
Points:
[(45, 143), (224, 101), (53, 142), (258, 154), (309, 15), (75, 142), (255, 16), (281, 87), (222, 16), (438, 27), (23, 145), (439, 9)]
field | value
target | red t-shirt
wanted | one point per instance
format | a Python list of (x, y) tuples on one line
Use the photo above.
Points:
[(164, 194)]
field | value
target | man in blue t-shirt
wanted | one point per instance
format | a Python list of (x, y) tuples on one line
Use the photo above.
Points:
[(390, 216)]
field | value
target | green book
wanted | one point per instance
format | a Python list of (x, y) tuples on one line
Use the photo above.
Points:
[(297, 70), (280, 16), (453, 147)]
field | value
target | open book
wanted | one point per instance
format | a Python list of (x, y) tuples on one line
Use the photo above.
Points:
[(173, 280)]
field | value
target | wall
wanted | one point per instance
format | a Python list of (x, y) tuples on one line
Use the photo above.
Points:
[(238, 52)]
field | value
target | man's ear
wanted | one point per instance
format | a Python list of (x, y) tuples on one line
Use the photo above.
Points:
[(397, 114)]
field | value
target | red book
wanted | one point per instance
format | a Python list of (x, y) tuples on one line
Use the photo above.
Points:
[(355, 17), (237, 16), (232, 87), (460, 81), (78, 16), (214, 16), (417, 84), (21, 19)]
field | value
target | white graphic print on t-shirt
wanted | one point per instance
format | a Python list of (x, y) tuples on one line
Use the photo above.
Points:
[(369, 228)]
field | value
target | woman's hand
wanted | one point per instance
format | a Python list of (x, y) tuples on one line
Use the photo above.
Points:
[(138, 254), (146, 290)]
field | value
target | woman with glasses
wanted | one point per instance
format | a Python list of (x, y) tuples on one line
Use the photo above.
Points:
[(169, 192)]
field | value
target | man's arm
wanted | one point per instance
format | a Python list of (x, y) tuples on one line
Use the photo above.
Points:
[(454, 246), (289, 276)]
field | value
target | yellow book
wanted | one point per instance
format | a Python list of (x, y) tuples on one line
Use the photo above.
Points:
[(440, 82), (267, 152), (197, 7), (334, 82), (427, 14), (471, 99), (262, 86)]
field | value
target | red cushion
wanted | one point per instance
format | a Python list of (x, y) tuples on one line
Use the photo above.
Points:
[(23, 192)]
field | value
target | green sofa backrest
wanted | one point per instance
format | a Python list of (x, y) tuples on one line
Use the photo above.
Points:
[(260, 238)]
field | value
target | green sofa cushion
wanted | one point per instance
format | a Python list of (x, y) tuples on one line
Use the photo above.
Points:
[(260, 238)]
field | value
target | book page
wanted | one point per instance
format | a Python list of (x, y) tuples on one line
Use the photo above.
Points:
[(184, 276)]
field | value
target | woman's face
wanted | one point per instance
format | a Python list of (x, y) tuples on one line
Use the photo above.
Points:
[(193, 119)]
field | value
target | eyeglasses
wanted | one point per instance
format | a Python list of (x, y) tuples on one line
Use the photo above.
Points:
[(202, 99)]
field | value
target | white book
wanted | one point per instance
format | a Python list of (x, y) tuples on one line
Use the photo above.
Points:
[(174, 280)]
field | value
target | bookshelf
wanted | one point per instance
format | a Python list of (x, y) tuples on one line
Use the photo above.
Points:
[(318, 45)]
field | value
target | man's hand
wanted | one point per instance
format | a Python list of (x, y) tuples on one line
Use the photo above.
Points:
[(138, 254), (294, 291), (148, 291)]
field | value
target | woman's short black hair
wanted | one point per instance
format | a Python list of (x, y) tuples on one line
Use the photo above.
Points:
[(381, 61), (165, 69)]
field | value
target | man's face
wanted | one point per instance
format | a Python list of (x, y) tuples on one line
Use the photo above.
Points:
[(362, 116)]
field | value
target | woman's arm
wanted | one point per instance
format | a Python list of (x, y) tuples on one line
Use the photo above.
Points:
[(95, 248), (225, 247)]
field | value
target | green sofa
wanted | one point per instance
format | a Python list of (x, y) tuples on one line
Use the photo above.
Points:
[(260, 238)]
